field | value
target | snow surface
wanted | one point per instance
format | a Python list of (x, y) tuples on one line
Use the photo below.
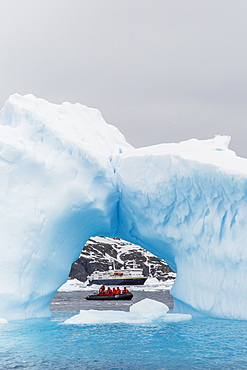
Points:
[(146, 311), (66, 176), (151, 284)]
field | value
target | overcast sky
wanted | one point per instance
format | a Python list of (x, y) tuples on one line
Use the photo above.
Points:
[(159, 70)]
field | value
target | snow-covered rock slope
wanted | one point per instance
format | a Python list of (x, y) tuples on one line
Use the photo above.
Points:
[(66, 176), (99, 253)]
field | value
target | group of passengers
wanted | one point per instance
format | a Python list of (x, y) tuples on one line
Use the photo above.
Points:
[(113, 291)]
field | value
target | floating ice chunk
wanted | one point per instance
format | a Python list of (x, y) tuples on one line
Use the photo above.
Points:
[(72, 285), (143, 312), (3, 321), (149, 308), (152, 281), (153, 284)]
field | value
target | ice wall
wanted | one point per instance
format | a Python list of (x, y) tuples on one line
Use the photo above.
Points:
[(187, 203), (66, 176), (56, 191)]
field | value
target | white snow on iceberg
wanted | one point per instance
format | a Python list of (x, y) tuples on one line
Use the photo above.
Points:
[(146, 311), (66, 175)]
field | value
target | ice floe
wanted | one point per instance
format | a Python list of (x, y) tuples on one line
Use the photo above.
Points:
[(146, 311), (3, 321)]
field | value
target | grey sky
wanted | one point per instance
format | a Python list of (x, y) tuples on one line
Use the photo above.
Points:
[(159, 70)]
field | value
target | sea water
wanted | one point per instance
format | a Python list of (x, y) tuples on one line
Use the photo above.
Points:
[(49, 344)]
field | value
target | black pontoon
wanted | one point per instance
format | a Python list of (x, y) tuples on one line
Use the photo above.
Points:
[(122, 296)]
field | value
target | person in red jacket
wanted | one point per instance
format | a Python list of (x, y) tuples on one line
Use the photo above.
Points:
[(114, 291), (109, 291), (101, 289), (118, 291), (125, 290)]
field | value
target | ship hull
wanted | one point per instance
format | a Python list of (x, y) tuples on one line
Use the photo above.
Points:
[(118, 281)]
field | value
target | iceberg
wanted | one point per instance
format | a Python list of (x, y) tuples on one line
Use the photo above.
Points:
[(67, 175)]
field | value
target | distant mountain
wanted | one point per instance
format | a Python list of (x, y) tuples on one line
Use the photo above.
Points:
[(101, 252)]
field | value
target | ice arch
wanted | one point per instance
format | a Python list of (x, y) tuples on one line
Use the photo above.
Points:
[(66, 175)]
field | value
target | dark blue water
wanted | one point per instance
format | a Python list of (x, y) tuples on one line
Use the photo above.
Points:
[(49, 344)]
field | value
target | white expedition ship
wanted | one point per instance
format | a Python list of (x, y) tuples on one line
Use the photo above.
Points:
[(127, 276)]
